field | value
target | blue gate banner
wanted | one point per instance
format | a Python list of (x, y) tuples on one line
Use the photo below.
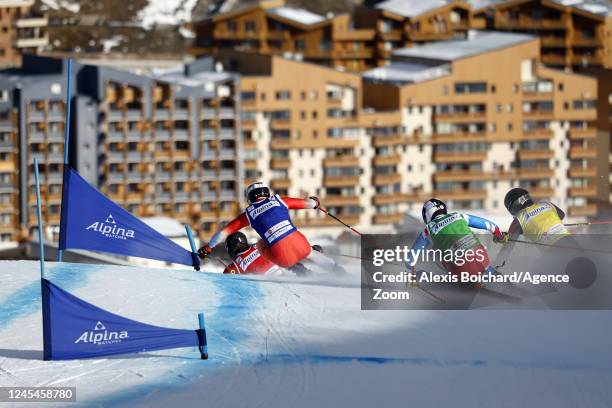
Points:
[(92, 221), (73, 328)]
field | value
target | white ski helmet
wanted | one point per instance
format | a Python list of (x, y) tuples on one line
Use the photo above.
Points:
[(256, 191), (432, 208)]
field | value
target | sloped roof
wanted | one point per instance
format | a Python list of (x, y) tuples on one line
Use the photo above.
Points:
[(411, 8), (477, 42), (298, 15)]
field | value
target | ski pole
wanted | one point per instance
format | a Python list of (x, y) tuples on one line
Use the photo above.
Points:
[(599, 251), (340, 221), (584, 224)]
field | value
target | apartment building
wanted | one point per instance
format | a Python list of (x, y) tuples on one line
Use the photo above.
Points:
[(157, 145), (23, 31), (271, 27), (480, 116), (403, 23), (301, 132), (573, 34), (354, 42)]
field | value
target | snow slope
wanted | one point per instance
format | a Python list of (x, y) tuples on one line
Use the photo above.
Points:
[(287, 342)]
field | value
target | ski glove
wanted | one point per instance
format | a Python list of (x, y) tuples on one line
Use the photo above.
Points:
[(204, 251), (317, 202), (502, 239)]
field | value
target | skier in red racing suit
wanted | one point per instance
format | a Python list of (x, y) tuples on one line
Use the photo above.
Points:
[(281, 242), (246, 258)]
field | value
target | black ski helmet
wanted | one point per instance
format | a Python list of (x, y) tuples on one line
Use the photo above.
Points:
[(256, 191), (236, 244), (517, 199), (432, 208)]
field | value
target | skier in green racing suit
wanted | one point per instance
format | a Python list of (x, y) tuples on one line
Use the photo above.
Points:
[(452, 231)]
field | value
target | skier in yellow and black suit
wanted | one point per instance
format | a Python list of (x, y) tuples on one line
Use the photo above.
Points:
[(541, 223)]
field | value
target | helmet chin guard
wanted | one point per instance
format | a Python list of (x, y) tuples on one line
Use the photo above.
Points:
[(433, 208), (256, 191)]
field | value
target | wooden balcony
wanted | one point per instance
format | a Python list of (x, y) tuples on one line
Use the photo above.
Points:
[(280, 183), (554, 59), (554, 42), (393, 198), (541, 192), (280, 163), (582, 152), (525, 22), (463, 175), (462, 116), (387, 218), (535, 154), (340, 181), (456, 137), (280, 143), (384, 179), (249, 144), (250, 164), (340, 200), (7, 166), (588, 133), (578, 59), (538, 133), (592, 42), (459, 157), (588, 210), (582, 172), (389, 160), (530, 173), (587, 191), (341, 161), (390, 140)]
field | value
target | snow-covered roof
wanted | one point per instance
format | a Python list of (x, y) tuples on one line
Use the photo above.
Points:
[(168, 227), (597, 7), (411, 8), (477, 42), (61, 5), (166, 12), (479, 4), (406, 72), (601, 9), (298, 15), (177, 76)]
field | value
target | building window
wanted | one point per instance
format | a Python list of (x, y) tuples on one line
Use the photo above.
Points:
[(470, 87), (560, 86), (248, 96), (232, 26), (300, 45), (325, 45), (249, 26), (283, 95)]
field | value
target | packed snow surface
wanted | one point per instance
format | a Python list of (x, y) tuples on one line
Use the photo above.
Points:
[(289, 342)]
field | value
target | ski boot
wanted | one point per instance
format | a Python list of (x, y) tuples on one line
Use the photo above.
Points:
[(300, 270)]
